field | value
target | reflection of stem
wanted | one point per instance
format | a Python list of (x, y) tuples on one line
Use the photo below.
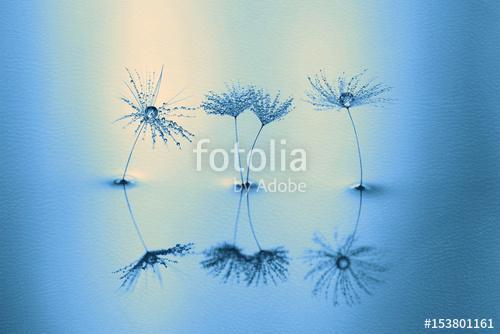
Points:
[(237, 219), (353, 235), (238, 147), (250, 221), (249, 162), (132, 150), (133, 218), (359, 149)]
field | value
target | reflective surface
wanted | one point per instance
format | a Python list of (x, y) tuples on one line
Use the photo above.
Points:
[(430, 164)]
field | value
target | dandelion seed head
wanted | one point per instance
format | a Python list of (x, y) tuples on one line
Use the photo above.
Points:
[(152, 118), (344, 272), (346, 93), (267, 266), (228, 262), (234, 101), (225, 261), (269, 109), (151, 260)]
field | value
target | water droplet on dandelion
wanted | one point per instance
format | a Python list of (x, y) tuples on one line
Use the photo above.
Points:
[(348, 93), (147, 117), (343, 262), (151, 112), (346, 99)]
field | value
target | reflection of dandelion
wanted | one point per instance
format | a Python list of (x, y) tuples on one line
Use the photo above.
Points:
[(229, 262), (225, 261), (236, 100), (151, 260), (268, 265), (347, 94), (267, 109), (149, 117), (343, 272)]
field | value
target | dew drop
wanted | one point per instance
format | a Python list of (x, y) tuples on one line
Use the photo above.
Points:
[(343, 262), (346, 99), (151, 112)]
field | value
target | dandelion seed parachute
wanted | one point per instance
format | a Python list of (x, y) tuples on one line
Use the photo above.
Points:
[(236, 100), (225, 261), (150, 118), (346, 94), (343, 273), (230, 263), (151, 260), (268, 109), (268, 266)]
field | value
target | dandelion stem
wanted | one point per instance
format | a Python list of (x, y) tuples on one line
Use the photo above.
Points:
[(237, 219), (237, 143), (250, 222), (136, 226), (359, 150), (249, 162), (353, 235), (132, 150)]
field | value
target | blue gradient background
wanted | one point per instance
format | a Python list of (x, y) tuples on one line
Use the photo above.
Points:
[(433, 154)]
